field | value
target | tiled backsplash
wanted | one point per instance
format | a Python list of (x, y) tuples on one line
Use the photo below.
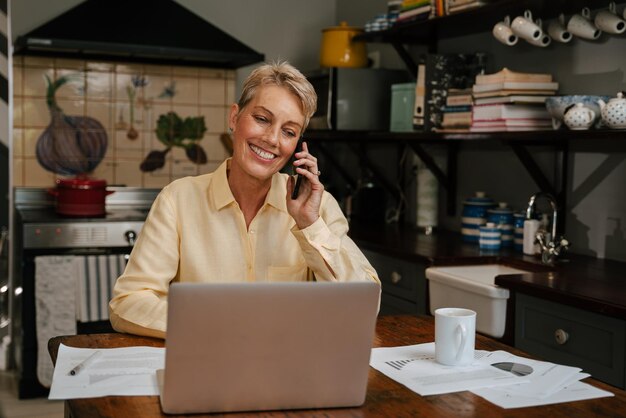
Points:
[(100, 90)]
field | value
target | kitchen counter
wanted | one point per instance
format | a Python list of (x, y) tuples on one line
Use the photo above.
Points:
[(584, 282)]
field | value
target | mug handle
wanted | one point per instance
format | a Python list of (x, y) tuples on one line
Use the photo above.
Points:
[(612, 7), (461, 328), (586, 12), (507, 20)]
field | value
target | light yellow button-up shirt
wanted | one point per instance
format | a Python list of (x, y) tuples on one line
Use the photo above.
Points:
[(196, 232)]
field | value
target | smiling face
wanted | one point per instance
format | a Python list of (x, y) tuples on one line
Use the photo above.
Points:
[(265, 132)]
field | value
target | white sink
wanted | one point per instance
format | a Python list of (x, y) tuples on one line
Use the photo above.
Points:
[(472, 287)]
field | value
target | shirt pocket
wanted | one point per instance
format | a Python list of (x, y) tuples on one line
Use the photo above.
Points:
[(297, 273)]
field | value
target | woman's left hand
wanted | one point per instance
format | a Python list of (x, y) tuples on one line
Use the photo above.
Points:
[(305, 209)]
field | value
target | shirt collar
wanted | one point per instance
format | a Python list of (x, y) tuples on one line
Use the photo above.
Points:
[(223, 196)]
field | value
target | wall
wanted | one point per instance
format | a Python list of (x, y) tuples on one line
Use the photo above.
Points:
[(295, 36), (4, 117), (100, 90), (280, 29)]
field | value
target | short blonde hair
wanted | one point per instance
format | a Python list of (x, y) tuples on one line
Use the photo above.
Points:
[(281, 74)]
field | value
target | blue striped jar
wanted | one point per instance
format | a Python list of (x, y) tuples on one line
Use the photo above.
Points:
[(518, 231), (474, 215), (502, 217), (490, 237)]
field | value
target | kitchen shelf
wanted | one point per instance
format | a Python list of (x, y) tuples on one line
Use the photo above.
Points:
[(524, 137), (482, 19), (519, 142), (476, 20)]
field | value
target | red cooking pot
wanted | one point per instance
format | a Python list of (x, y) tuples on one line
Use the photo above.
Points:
[(80, 197)]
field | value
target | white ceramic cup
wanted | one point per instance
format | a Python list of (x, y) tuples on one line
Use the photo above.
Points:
[(503, 33), (543, 41), (608, 20), (581, 25), (525, 28), (455, 333), (558, 31)]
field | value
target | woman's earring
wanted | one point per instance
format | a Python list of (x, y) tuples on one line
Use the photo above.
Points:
[(230, 130)]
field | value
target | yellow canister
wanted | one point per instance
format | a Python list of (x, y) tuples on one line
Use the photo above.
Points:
[(340, 50)]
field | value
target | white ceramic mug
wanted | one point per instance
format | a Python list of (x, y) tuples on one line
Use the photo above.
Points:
[(558, 31), (543, 41), (525, 28), (608, 21), (455, 333), (581, 25), (503, 33)]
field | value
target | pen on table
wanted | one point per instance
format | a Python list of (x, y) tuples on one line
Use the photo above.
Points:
[(84, 363)]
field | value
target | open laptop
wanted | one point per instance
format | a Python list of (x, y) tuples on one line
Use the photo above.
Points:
[(267, 346)]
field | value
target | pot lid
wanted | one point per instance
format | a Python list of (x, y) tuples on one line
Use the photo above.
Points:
[(502, 209), (81, 183), (343, 26), (479, 199)]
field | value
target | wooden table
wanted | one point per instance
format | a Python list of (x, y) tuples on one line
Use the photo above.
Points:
[(385, 397)]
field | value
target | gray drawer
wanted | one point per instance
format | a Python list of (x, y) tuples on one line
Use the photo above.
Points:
[(596, 343), (401, 279)]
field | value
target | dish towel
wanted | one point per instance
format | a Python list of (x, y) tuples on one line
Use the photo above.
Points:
[(94, 285), (55, 306)]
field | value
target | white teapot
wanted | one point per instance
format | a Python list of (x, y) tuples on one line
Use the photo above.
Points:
[(614, 112), (579, 117)]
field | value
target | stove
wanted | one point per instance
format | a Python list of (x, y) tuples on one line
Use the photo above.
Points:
[(43, 228), (40, 231)]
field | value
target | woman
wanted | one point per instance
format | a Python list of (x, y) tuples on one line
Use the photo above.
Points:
[(240, 223)]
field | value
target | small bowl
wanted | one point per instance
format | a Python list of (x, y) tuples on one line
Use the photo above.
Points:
[(556, 106)]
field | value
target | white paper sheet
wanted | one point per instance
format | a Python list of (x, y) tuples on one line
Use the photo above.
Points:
[(414, 366), (576, 391), (129, 371), (545, 378)]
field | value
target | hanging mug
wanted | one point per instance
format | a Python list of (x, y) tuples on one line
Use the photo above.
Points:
[(543, 41), (608, 21), (503, 33), (581, 25), (558, 31), (525, 28)]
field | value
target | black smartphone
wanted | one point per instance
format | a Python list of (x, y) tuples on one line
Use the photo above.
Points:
[(296, 188), (299, 177)]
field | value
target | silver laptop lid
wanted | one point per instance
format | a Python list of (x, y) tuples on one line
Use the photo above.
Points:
[(265, 346)]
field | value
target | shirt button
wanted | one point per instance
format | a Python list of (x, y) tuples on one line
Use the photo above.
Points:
[(252, 231)]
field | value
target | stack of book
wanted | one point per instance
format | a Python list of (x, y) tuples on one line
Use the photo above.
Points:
[(414, 10), (457, 114), (511, 101)]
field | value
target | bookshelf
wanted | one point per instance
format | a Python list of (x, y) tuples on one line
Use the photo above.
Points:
[(481, 19), (428, 33), (476, 20)]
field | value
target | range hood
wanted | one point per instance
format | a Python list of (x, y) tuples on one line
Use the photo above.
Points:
[(150, 31)]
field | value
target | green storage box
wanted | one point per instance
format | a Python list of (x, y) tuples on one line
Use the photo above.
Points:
[(402, 103)]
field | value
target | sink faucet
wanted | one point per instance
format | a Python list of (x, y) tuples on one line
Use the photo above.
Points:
[(550, 245)]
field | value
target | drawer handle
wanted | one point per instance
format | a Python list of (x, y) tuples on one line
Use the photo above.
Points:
[(395, 277), (561, 336)]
